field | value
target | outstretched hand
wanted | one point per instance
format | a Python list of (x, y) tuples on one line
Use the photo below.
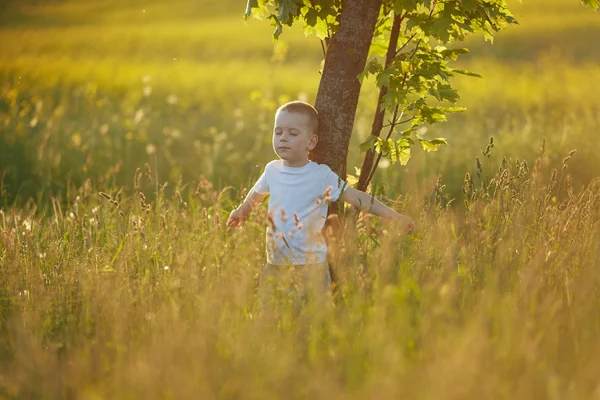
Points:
[(411, 226), (236, 219), (406, 223)]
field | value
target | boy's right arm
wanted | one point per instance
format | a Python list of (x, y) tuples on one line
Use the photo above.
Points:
[(239, 215)]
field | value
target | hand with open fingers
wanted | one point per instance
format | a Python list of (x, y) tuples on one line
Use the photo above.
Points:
[(411, 226), (407, 224), (236, 219)]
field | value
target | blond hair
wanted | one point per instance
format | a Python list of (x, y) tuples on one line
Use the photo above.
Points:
[(304, 108)]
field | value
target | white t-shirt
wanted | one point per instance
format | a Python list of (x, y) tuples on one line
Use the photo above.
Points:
[(298, 202)]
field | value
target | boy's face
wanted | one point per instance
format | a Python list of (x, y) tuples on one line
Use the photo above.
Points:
[(293, 138)]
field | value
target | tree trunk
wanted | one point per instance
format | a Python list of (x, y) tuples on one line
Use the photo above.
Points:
[(339, 88), (338, 93)]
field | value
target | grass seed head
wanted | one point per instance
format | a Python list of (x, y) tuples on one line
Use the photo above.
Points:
[(136, 178), (148, 172)]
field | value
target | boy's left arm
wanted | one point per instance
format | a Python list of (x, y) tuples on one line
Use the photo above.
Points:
[(370, 204)]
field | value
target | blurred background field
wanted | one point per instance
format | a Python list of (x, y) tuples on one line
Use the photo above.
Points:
[(140, 291), (93, 87)]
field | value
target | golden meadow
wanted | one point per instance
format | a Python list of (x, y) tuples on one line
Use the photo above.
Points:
[(166, 109)]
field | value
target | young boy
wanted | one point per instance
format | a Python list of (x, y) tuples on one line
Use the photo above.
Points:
[(300, 191)]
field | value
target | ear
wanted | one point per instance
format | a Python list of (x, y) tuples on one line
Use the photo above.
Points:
[(314, 139)]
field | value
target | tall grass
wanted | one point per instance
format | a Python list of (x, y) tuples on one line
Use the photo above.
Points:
[(119, 165), (120, 296)]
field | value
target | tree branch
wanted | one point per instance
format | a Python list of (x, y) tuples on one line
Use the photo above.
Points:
[(379, 113), (368, 162)]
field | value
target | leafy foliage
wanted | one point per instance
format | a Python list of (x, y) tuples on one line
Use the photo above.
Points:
[(417, 80), (591, 3), (319, 18)]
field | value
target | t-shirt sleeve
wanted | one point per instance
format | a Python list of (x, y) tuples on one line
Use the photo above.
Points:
[(338, 186), (262, 185)]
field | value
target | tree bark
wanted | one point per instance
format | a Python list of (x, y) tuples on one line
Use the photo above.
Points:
[(339, 87)]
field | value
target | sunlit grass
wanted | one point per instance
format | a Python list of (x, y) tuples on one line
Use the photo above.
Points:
[(135, 297), (495, 296)]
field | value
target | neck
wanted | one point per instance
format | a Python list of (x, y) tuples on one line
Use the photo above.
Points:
[(300, 163)]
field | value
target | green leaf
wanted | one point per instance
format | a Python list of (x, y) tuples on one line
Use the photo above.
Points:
[(393, 151), (373, 67), (469, 5), (368, 144), (453, 53), (392, 98), (447, 93), (383, 79), (315, 23), (250, 4), (441, 27), (382, 146), (404, 5), (320, 29), (311, 17), (439, 141), (403, 151), (432, 114), (288, 9), (594, 4), (432, 145)]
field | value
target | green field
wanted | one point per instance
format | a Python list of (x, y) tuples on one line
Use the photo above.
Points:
[(494, 296)]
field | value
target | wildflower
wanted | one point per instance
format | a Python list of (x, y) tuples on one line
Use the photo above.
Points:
[(150, 149)]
